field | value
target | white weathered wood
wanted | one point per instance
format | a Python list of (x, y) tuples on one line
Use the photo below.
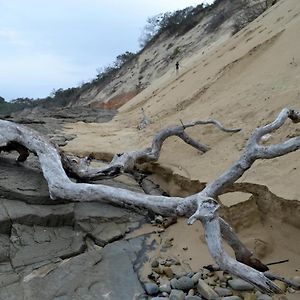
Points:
[(201, 206), (125, 162)]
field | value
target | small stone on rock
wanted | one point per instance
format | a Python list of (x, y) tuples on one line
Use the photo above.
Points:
[(177, 295), (223, 292), (151, 288), (240, 285), (205, 290), (183, 283), (193, 298), (154, 264), (263, 297), (166, 287)]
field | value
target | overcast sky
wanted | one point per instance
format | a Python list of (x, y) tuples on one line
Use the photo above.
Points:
[(46, 45)]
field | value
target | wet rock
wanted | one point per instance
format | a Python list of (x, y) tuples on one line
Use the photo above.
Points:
[(193, 298), (183, 283), (177, 295), (35, 244), (29, 214), (103, 212), (159, 298), (240, 285), (205, 290), (223, 292), (8, 275), (103, 233), (151, 288), (4, 247), (23, 181), (91, 273)]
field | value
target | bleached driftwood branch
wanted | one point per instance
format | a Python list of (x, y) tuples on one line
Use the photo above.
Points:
[(125, 162), (201, 206)]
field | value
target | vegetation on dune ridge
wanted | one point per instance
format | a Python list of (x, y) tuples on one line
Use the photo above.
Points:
[(166, 24)]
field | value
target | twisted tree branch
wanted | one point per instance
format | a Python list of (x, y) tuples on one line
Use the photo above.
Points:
[(201, 206), (125, 162)]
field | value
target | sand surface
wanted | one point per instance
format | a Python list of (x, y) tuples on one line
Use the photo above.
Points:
[(243, 82)]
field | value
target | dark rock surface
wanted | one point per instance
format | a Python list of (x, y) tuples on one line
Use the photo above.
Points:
[(53, 249), (97, 274)]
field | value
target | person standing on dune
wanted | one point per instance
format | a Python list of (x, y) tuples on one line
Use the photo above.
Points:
[(177, 67)]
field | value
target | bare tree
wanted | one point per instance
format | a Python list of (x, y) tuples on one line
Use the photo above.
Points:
[(201, 206)]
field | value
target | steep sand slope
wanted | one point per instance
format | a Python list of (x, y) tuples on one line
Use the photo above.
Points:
[(243, 82)]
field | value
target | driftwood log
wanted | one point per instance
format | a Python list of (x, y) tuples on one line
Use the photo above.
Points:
[(126, 162), (201, 206)]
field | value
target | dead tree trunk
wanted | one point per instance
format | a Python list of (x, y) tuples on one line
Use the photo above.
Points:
[(201, 206), (126, 162)]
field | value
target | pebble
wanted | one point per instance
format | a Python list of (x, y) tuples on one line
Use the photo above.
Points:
[(158, 270), (190, 274), (154, 264), (177, 295), (296, 279), (159, 219), (205, 290), (232, 298), (263, 297), (223, 292), (196, 277), (166, 287), (193, 298), (151, 288), (168, 271), (211, 281), (191, 292), (153, 276), (183, 283), (240, 285)]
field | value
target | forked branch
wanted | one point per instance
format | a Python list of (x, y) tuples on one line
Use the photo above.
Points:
[(201, 206), (126, 162)]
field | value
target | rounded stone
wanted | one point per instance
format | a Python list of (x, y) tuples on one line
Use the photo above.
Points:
[(166, 287), (177, 295), (232, 298), (196, 277), (151, 288), (168, 271), (222, 292), (263, 297), (240, 285), (154, 264), (183, 283)]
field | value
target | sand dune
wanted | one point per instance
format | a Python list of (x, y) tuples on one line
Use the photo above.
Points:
[(243, 82)]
